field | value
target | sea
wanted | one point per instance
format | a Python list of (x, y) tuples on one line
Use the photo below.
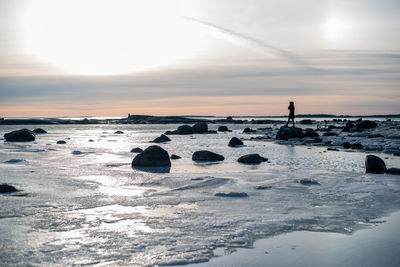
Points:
[(81, 203)]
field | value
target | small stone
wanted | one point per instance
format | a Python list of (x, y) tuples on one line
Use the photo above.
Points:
[(161, 139), (232, 194), (223, 128), (173, 156), (119, 132), (61, 142), (39, 131), (136, 150), (235, 142)]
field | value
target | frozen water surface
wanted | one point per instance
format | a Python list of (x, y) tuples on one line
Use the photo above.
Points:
[(82, 203)]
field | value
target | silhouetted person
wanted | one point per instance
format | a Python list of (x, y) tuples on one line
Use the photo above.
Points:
[(291, 113)]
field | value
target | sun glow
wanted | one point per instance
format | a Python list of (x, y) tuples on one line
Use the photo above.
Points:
[(336, 30), (102, 37)]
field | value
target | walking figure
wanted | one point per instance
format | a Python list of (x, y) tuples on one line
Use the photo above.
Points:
[(291, 113)]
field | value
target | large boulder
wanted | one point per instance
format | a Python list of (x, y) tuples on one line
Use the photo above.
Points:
[(185, 129), (205, 155), (311, 133), (39, 131), (252, 159), (153, 156), (286, 133), (6, 188), (374, 164), (161, 139), (235, 142), (23, 135), (366, 124), (200, 127)]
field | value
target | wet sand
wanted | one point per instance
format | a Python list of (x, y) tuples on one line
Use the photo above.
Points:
[(377, 245)]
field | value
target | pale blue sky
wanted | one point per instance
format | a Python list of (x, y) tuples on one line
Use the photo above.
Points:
[(198, 57)]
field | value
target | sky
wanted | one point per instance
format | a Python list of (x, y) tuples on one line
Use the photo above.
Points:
[(198, 57)]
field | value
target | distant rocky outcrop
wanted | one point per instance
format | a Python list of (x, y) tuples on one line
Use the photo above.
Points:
[(39, 131), (205, 155), (252, 159), (374, 164), (153, 156), (23, 135), (6, 188), (200, 127), (235, 142), (286, 133), (161, 139), (185, 129)]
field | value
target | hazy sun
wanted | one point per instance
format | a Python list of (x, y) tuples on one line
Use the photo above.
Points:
[(336, 30), (102, 37)]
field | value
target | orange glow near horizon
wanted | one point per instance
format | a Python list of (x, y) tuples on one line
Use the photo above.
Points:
[(219, 106)]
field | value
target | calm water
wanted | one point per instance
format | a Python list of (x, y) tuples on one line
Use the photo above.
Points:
[(93, 208)]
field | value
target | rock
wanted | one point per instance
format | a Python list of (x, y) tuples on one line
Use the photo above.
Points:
[(223, 128), (14, 161), (39, 131), (173, 156), (185, 129), (205, 155), (61, 142), (232, 194), (77, 152), (285, 133), (175, 132), (346, 145), (91, 140), (161, 139), (374, 164), (119, 132), (309, 182), (332, 149), (357, 146), (263, 187), (396, 154), (248, 130), (311, 133), (330, 134), (200, 127), (6, 188), (366, 124), (252, 159), (235, 142), (306, 121), (349, 125), (23, 135), (395, 171), (136, 150), (153, 156)]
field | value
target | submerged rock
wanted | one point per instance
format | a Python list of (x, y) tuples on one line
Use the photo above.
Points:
[(252, 159), (263, 187), (232, 194), (6, 188), (185, 129), (374, 164), (173, 156), (309, 182), (61, 142), (153, 156), (249, 130), (286, 133), (161, 139), (119, 132), (77, 152), (205, 155), (23, 135), (136, 150), (395, 171), (235, 142), (200, 127), (39, 131), (223, 128)]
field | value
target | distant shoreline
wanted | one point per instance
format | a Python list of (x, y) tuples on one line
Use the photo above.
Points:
[(149, 119)]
